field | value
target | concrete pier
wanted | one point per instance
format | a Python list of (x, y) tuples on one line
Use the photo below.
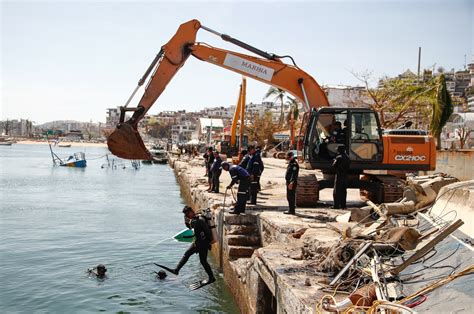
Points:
[(266, 255), (269, 259)]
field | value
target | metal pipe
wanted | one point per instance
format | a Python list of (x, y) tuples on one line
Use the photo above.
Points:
[(300, 81), (143, 78), (241, 44)]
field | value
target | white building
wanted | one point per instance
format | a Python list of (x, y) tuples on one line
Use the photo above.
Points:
[(345, 96), (210, 129)]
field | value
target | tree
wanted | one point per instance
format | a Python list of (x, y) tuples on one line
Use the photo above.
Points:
[(441, 110), (464, 134), (292, 117), (277, 94), (262, 129)]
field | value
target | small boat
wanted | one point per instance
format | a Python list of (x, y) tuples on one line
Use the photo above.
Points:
[(5, 144), (76, 160), (160, 156), (64, 145)]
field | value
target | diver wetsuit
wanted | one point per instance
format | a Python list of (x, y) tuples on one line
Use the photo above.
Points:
[(201, 245)]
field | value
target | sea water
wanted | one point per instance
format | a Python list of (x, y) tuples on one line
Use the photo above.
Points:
[(56, 222)]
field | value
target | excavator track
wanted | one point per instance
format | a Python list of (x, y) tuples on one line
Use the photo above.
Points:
[(391, 188), (307, 192)]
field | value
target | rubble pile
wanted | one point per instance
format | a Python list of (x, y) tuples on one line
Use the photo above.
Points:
[(377, 242)]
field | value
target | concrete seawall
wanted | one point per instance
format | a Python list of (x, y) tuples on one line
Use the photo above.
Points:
[(261, 252), (268, 259), (459, 164)]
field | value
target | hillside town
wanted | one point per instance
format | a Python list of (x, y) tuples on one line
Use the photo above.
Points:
[(213, 123)]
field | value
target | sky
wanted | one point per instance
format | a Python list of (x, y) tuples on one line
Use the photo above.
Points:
[(70, 60)]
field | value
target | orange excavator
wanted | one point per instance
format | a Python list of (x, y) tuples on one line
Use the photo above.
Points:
[(323, 129)]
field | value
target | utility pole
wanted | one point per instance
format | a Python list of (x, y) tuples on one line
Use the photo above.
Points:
[(419, 61)]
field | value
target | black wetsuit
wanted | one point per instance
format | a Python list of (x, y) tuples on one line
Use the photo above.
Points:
[(201, 244), (291, 176), (341, 166)]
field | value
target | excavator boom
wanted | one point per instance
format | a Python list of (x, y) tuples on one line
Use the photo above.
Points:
[(126, 142)]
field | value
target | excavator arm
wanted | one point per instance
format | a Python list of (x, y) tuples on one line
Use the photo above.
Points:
[(126, 142)]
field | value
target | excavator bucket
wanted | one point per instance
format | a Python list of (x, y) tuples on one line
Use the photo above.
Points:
[(125, 142)]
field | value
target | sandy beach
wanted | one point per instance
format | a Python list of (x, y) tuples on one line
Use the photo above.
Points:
[(73, 144)]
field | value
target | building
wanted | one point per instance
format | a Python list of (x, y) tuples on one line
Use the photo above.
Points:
[(210, 129), (346, 96), (112, 117)]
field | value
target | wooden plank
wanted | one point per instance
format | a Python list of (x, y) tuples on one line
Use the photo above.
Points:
[(429, 245)]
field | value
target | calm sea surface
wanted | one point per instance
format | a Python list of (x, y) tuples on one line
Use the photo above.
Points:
[(56, 222)]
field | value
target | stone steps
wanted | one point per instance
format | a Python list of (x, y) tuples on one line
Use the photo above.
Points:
[(236, 251), (241, 229), (243, 240), (243, 219)]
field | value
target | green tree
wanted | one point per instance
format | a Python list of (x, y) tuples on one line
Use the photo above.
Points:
[(277, 94), (441, 110)]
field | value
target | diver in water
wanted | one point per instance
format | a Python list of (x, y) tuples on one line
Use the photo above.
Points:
[(201, 245), (161, 275), (98, 271)]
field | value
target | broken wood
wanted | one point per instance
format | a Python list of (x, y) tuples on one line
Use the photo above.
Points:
[(428, 246)]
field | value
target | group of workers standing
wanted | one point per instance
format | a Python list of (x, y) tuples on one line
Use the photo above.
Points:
[(248, 172)]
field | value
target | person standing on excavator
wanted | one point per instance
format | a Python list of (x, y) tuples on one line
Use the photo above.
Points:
[(340, 166)]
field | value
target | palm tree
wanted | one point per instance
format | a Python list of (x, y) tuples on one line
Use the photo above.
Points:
[(278, 94), (292, 117)]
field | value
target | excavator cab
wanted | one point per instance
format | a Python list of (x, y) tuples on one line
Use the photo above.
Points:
[(356, 128)]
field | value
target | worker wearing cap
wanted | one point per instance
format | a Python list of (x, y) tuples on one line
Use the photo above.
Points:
[(238, 174), (291, 178)]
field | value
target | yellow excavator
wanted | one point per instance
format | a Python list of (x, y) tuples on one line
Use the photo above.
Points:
[(367, 144), (232, 144)]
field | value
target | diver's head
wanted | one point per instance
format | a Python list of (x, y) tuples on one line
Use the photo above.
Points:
[(161, 274), (188, 212), (101, 270)]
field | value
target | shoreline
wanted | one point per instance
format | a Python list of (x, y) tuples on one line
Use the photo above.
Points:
[(73, 144)]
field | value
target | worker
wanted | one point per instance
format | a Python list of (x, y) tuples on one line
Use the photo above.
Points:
[(291, 178), (244, 158), (254, 169), (262, 167), (337, 136), (238, 174), (340, 166), (201, 244), (216, 171), (98, 271), (209, 160)]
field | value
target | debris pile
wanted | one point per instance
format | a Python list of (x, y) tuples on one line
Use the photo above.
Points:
[(378, 242)]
